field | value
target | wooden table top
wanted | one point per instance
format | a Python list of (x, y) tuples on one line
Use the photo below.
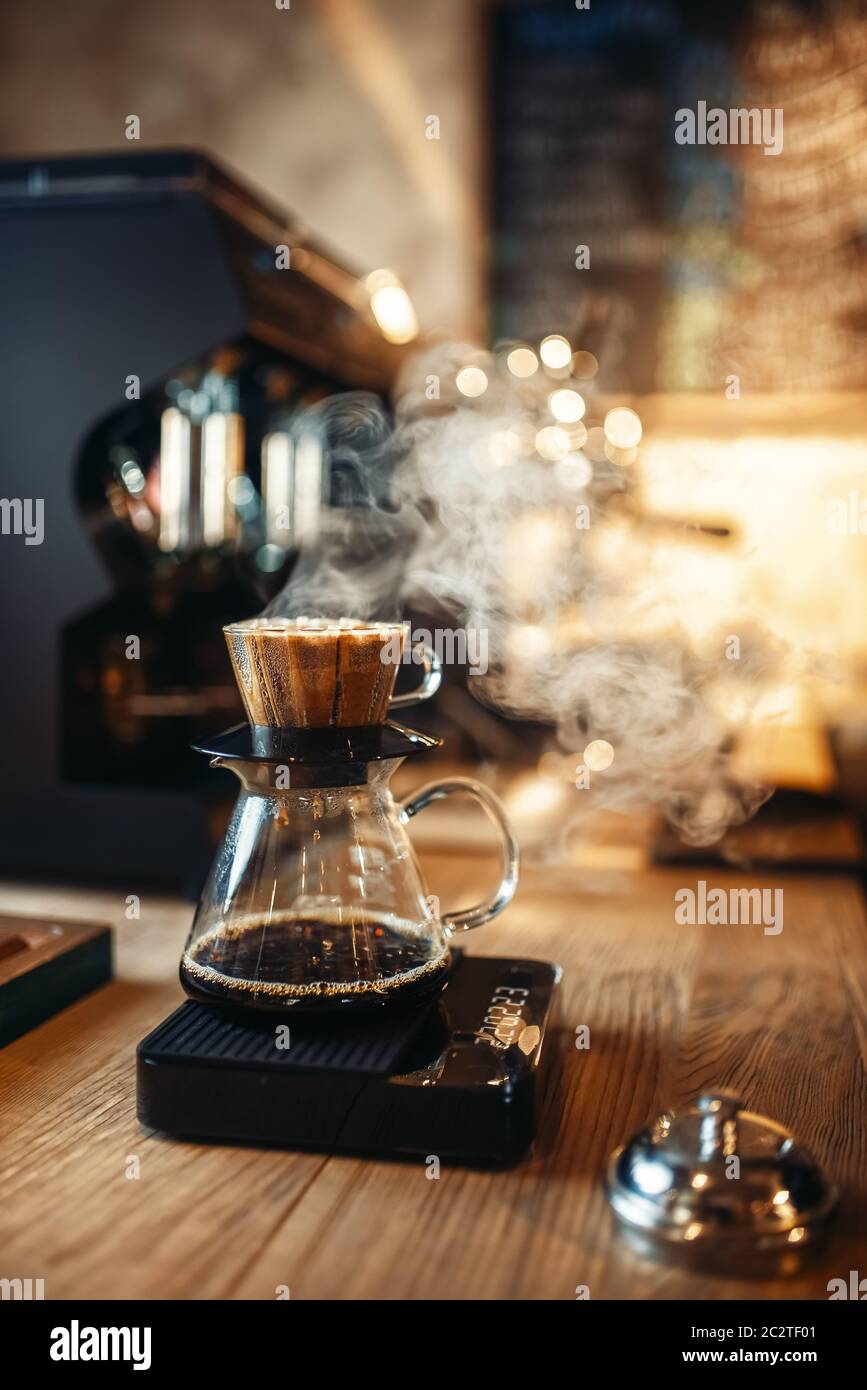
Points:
[(672, 1009)]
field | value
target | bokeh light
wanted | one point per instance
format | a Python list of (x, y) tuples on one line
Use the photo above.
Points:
[(595, 443), (522, 361), (504, 446), (584, 365), (391, 306), (552, 443), (575, 471), (622, 427), (555, 351), (598, 755), (471, 381), (529, 641), (566, 406), (624, 458)]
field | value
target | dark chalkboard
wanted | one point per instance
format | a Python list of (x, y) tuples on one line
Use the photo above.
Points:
[(583, 155)]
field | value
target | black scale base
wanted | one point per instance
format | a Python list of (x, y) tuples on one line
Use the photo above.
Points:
[(460, 1077)]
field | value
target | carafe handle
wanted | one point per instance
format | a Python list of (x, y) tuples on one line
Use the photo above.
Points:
[(495, 811), (430, 682)]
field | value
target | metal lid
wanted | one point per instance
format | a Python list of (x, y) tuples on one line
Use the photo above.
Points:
[(714, 1176)]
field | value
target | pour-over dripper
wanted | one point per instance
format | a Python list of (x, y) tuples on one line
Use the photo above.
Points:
[(307, 673), (316, 900)]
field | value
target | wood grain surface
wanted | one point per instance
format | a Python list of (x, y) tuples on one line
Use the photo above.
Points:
[(671, 1009)]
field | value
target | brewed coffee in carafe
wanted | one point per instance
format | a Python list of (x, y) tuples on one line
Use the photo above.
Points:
[(316, 901)]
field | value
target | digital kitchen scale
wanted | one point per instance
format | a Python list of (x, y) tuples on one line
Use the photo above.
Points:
[(461, 1078)]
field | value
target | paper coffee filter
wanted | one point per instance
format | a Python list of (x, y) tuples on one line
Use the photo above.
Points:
[(312, 673)]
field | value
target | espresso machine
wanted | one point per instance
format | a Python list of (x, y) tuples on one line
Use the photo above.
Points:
[(164, 332)]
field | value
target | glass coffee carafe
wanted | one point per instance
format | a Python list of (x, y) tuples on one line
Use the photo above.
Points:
[(316, 901)]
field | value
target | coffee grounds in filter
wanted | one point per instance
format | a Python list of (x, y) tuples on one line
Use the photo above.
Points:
[(311, 673)]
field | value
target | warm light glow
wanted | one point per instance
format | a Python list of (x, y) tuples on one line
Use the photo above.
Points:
[(555, 351), (773, 491), (471, 381), (554, 765), (391, 306), (574, 471), (531, 558), (595, 443), (584, 365), (566, 406), (174, 479), (530, 641), (624, 458), (622, 427), (277, 470), (553, 443), (504, 446), (652, 1178), (222, 465), (307, 500), (522, 362), (530, 797), (598, 755), (214, 479), (525, 433)]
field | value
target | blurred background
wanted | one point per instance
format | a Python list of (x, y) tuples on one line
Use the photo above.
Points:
[(502, 178), (704, 258), (321, 107)]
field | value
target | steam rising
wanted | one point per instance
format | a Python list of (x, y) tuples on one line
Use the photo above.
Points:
[(588, 629), (355, 569)]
